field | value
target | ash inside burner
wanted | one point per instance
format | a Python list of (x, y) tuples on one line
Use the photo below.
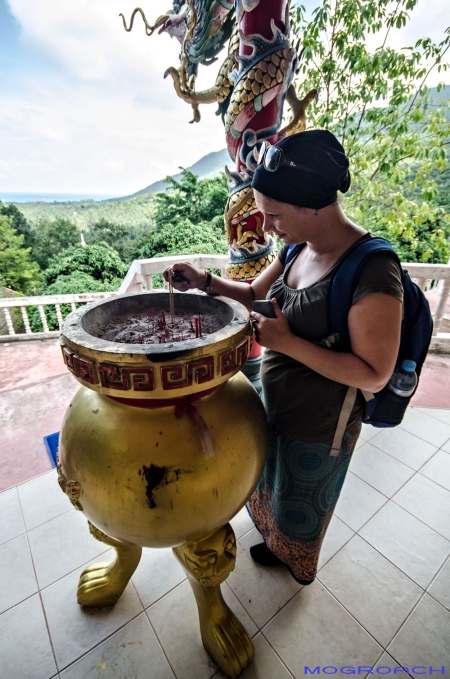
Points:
[(159, 326)]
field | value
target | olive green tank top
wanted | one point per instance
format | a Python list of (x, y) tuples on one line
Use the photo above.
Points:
[(298, 400)]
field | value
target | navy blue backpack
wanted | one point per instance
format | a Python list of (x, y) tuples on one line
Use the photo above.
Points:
[(385, 409)]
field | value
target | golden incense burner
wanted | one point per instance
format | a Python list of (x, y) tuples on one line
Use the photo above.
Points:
[(161, 446)]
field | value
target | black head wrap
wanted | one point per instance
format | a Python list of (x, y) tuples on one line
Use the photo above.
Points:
[(326, 171)]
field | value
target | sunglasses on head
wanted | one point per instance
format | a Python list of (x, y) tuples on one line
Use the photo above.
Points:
[(273, 157)]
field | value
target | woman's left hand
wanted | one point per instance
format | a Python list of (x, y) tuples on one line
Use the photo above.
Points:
[(272, 333)]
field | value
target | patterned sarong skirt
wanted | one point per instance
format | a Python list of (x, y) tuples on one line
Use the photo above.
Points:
[(295, 498)]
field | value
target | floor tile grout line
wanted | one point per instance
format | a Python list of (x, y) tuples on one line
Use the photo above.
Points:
[(71, 509), (401, 461), (159, 642), (48, 631), (276, 653), (430, 594), (436, 482), (353, 616), (14, 538), (398, 567), (85, 563), (280, 609), (406, 620), (248, 613), (39, 589), (416, 517), (19, 602), (155, 632), (340, 549), (21, 509), (422, 408), (440, 569), (371, 517), (160, 597), (246, 533), (371, 486), (391, 656), (275, 614), (423, 439), (422, 595), (22, 483), (65, 667)]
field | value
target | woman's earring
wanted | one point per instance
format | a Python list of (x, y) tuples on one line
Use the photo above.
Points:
[(316, 214)]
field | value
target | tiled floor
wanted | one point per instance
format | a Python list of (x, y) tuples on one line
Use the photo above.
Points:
[(382, 596)]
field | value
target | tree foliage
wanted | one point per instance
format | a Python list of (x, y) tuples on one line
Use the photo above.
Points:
[(100, 261), (375, 100), (198, 200), (17, 271), (51, 238), (18, 223), (183, 238), (118, 236), (188, 219)]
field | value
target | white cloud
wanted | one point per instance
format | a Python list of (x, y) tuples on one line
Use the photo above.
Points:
[(87, 37), (106, 121), (103, 120)]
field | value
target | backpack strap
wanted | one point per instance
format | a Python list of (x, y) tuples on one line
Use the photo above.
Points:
[(291, 253), (339, 302), (343, 284), (346, 410)]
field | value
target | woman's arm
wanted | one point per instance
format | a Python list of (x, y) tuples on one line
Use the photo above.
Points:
[(241, 292), (374, 324)]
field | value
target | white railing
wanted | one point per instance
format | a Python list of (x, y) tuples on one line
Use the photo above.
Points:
[(431, 277), (15, 308), (141, 272), (435, 277)]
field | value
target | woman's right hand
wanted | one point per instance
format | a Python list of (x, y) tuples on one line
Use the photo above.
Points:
[(195, 278)]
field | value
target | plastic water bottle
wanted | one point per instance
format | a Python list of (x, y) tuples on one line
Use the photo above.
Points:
[(404, 379)]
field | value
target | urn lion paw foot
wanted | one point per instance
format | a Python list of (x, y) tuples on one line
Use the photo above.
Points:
[(100, 585), (103, 583), (228, 643)]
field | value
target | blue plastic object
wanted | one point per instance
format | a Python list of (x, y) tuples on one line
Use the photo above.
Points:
[(51, 443)]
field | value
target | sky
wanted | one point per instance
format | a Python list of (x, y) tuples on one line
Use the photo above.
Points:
[(84, 107)]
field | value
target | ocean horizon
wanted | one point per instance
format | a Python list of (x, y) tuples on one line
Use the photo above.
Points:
[(12, 197)]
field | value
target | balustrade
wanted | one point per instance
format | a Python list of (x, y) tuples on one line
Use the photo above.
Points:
[(433, 278)]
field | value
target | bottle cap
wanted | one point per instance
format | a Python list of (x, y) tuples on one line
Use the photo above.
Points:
[(408, 366)]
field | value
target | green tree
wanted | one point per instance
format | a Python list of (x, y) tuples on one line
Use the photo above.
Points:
[(51, 238), (100, 261), (188, 218), (118, 236), (377, 103), (17, 271), (199, 200), (18, 223), (183, 238)]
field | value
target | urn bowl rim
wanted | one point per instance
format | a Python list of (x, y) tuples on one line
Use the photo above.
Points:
[(73, 328)]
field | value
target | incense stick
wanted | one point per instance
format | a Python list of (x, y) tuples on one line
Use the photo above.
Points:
[(171, 299)]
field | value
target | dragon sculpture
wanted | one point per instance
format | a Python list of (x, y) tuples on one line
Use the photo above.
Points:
[(251, 87)]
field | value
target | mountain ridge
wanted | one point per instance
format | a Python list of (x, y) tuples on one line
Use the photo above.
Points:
[(206, 167)]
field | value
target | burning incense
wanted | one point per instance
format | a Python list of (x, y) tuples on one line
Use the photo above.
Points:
[(171, 298)]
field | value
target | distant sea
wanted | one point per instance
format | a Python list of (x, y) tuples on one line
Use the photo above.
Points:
[(50, 197)]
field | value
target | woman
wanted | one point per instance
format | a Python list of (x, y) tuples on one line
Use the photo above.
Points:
[(304, 382)]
